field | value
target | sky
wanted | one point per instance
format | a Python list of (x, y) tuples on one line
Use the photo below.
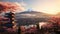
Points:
[(46, 6)]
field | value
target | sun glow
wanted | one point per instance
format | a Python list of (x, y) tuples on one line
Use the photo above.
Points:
[(49, 6), (53, 12)]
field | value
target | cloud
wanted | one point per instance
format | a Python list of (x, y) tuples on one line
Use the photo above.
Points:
[(13, 6), (23, 3)]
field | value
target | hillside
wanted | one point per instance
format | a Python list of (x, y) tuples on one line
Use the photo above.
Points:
[(31, 17)]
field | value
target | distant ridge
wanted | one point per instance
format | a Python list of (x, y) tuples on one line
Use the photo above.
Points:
[(31, 14)]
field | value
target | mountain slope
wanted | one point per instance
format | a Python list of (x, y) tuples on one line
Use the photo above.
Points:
[(31, 17), (31, 14)]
